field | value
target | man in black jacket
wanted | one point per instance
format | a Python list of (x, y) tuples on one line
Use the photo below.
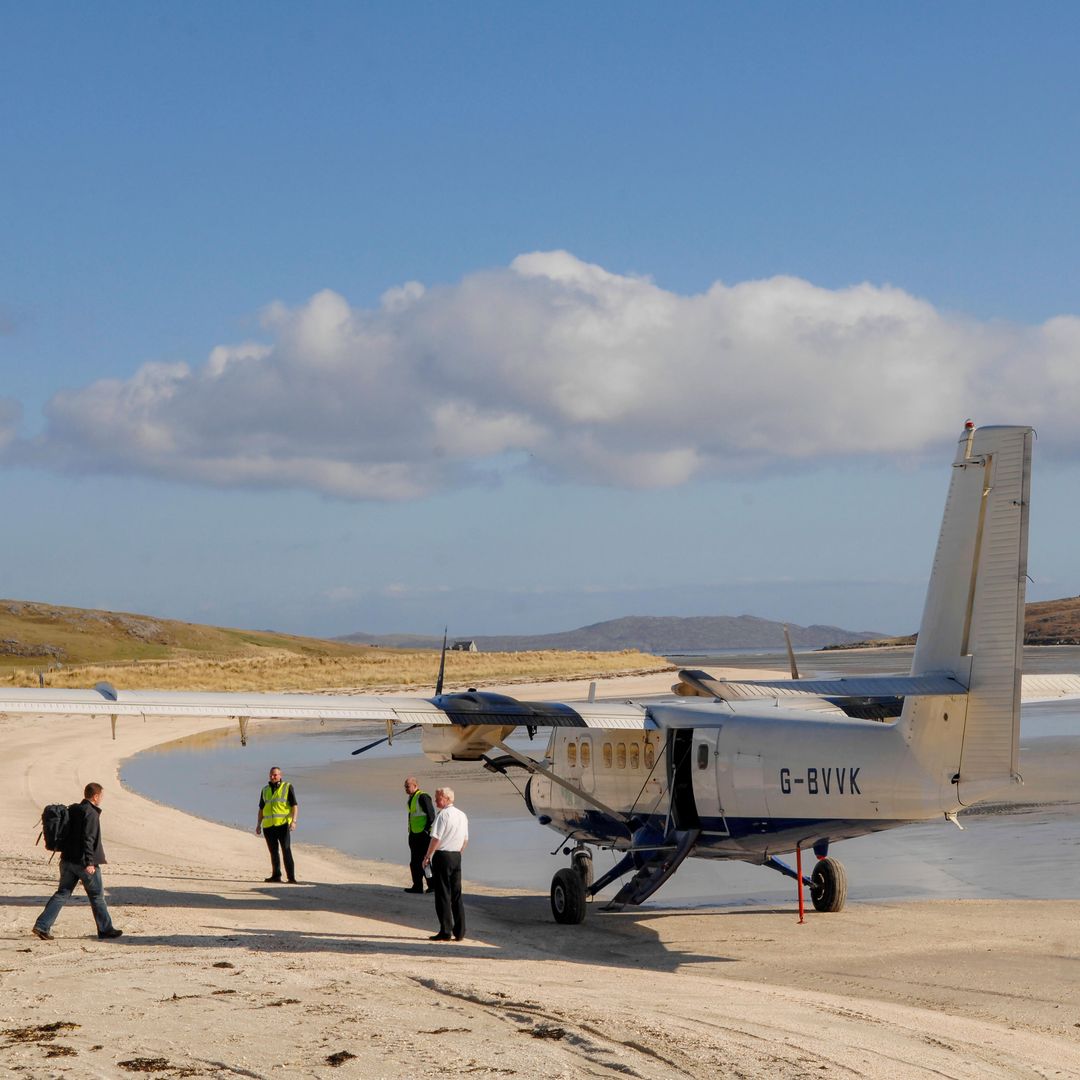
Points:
[(81, 859)]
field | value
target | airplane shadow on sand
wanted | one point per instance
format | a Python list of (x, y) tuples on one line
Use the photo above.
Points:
[(503, 927)]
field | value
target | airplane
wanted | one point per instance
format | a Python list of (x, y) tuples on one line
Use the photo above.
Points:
[(747, 770)]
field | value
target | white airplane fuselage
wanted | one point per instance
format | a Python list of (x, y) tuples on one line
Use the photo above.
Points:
[(756, 783)]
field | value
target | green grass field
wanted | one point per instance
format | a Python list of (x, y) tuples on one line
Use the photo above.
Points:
[(75, 647)]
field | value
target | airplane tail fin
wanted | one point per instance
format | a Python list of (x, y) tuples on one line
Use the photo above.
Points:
[(973, 622)]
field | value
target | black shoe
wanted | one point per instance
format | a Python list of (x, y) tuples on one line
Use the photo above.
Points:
[(459, 937), (272, 878), (293, 881), (113, 933), (43, 934), (439, 937), (414, 890)]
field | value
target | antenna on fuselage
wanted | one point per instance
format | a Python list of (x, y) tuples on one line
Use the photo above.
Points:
[(791, 654), (442, 664)]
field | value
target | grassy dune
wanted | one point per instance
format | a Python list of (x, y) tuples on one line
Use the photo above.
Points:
[(368, 669), (76, 647), (36, 635)]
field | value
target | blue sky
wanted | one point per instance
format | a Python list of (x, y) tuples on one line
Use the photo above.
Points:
[(376, 317)]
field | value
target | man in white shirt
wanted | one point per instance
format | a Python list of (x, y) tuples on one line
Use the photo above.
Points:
[(449, 838)]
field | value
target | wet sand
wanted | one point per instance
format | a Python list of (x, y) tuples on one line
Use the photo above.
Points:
[(221, 975)]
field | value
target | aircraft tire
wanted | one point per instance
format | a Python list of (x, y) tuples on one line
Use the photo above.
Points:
[(828, 885), (568, 897)]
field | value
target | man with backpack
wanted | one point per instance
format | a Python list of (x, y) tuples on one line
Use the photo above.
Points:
[(81, 859)]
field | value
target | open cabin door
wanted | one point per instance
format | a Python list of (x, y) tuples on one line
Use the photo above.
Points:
[(684, 813), (692, 779)]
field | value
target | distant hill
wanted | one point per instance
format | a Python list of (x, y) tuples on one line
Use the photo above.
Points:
[(1053, 622), (33, 634), (660, 634), (1046, 622)]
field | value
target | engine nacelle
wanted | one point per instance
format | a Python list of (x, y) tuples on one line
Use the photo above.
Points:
[(459, 742)]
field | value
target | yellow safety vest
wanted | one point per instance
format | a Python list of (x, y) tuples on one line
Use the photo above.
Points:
[(417, 817), (276, 809)]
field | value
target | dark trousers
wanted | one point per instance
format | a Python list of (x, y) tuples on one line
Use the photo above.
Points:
[(418, 845), (446, 877), (279, 835), (70, 876)]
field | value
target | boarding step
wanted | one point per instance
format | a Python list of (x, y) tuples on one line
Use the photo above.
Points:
[(654, 871)]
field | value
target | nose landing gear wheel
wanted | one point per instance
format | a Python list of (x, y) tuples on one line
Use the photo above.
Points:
[(568, 897), (828, 885), (581, 863)]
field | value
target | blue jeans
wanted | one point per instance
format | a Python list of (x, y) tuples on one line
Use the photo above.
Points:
[(70, 876)]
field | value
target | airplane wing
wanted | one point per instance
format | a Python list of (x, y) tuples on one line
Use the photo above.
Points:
[(465, 725), (465, 709)]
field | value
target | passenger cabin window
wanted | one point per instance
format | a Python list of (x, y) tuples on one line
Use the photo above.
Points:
[(586, 753), (620, 755), (650, 755), (607, 755), (635, 756), (571, 754), (703, 755)]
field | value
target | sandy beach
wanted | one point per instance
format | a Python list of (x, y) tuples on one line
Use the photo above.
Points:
[(221, 975)]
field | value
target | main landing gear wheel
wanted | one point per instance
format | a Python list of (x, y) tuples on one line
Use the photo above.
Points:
[(828, 885), (568, 897)]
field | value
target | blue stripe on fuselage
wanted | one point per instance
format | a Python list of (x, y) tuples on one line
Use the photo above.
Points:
[(723, 838)]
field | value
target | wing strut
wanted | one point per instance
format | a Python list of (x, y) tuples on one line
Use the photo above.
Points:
[(535, 767)]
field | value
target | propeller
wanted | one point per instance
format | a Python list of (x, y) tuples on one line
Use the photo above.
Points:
[(442, 664), (385, 738), (791, 654), (389, 736)]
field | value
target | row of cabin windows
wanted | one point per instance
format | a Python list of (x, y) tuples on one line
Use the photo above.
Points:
[(616, 755)]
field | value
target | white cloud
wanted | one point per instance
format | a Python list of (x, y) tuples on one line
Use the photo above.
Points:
[(10, 417), (582, 373)]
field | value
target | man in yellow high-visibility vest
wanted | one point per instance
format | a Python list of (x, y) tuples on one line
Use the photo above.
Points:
[(278, 811), (421, 814)]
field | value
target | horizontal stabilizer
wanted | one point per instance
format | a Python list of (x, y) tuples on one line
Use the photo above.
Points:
[(1049, 687)]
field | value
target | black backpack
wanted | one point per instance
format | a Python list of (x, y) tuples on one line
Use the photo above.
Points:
[(54, 826)]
